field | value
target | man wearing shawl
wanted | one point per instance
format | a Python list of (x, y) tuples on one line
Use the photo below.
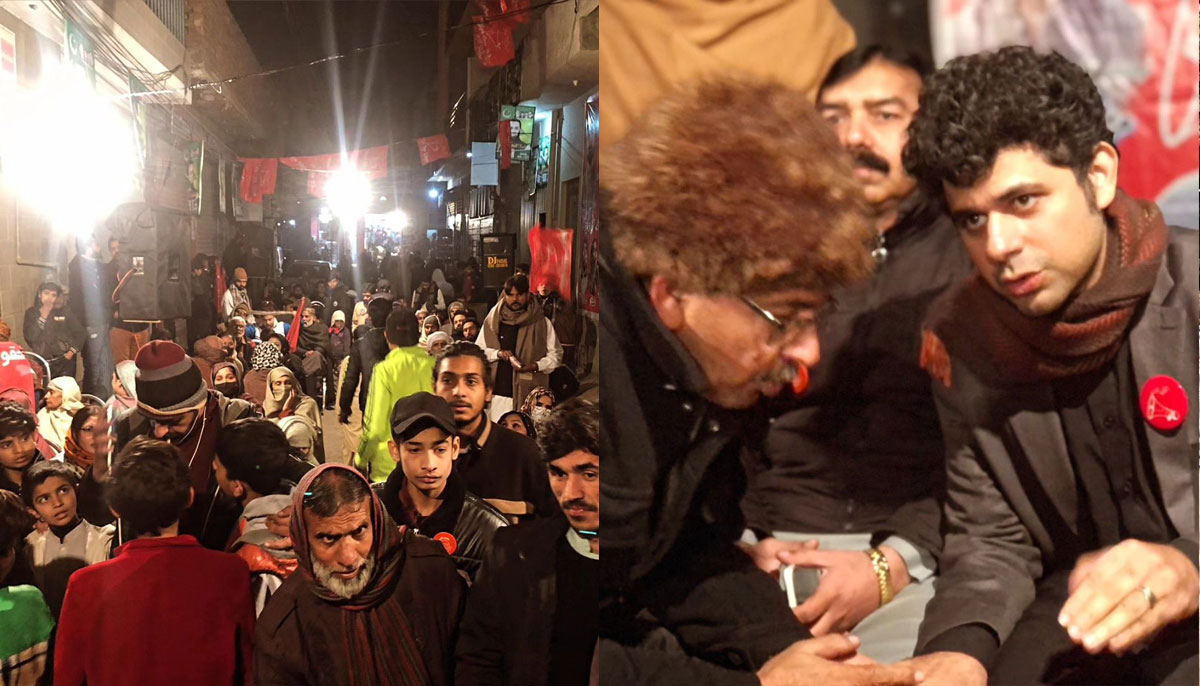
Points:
[(313, 348), (521, 345), (372, 605)]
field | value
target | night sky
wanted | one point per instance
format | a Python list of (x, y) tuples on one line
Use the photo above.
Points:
[(397, 94)]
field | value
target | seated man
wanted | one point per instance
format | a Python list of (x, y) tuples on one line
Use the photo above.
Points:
[(186, 609), (1066, 384), (373, 603), (498, 465), (426, 493), (256, 466), (514, 631), (857, 462)]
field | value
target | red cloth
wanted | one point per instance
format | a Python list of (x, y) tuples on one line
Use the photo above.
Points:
[(494, 45), (373, 162), (163, 611), (433, 148), (258, 177), (550, 251), (293, 335)]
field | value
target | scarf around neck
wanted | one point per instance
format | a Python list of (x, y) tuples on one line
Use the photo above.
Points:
[(1003, 347), (377, 638)]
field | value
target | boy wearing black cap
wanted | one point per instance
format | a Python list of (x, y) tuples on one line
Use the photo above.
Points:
[(425, 493)]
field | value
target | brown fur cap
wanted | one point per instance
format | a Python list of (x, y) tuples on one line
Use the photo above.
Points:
[(736, 186)]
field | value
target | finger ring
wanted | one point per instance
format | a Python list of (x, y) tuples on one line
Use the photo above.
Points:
[(1151, 599)]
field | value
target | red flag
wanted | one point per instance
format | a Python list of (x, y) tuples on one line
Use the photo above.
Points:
[(221, 286), (373, 162), (433, 148), (493, 42), (258, 177), (517, 10), (550, 250), (505, 136), (293, 336)]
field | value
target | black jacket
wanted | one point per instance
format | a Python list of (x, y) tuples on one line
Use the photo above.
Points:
[(364, 355), (60, 333), (862, 449), (470, 521), (505, 635), (669, 509)]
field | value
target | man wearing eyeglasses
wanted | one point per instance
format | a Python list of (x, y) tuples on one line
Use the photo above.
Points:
[(854, 466), (730, 214)]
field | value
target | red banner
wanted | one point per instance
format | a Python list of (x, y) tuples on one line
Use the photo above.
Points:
[(433, 148), (16, 374), (517, 10), (258, 177), (493, 36), (371, 161), (550, 259)]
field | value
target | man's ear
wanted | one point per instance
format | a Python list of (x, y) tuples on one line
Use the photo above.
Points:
[(1102, 174), (394, 451), (666, 304), (191, 496)]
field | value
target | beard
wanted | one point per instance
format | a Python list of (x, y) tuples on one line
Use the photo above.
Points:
[(338, 586)]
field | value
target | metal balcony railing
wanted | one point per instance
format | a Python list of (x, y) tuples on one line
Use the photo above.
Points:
[(170, 13)]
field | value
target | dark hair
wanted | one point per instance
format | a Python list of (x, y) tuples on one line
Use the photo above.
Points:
[(15, 420), (40, 472), (852, 62), (977, 105), (519, 282), (333, 490), (464, 349), (82, 416), (199, 261), (401, 328), (149, 485), (573, 425), (378, 313), (46, 286), (15, 523), (284, 346), (530, 429), (256, 451), (523, 267)]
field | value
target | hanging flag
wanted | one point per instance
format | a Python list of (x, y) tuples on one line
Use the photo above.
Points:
[(516, 11), (258, 177), (550, 259), (370, 161), (293, 335), (493, 36), (504, 144), (433, 148), (8, 56), (221, 286)]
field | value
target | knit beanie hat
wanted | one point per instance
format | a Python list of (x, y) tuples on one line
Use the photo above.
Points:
[(168, 381)]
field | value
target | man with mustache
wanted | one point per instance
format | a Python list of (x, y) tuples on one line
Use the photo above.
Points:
[(855, 464), (1065, 379), (174, 404), (372, 603), (531, 619), (520, 343), (500, 466)]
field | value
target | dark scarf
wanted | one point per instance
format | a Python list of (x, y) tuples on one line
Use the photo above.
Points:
[(378, 639), (976, 324), (314, 336)]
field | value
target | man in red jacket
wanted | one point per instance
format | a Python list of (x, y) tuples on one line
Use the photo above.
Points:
[(164, 610)]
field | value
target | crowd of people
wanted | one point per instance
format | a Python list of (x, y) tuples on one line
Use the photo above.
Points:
[(201, 483)]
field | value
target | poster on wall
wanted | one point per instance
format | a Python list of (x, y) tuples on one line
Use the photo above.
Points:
[(8, 56), (1142, 55), (235, 176), (589, 215), (193, 154), (222, 186)]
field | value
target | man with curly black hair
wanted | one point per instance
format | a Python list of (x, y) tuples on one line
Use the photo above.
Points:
[(1064, 368)]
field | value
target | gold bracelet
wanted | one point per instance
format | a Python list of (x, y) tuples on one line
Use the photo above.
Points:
[(883, 573)]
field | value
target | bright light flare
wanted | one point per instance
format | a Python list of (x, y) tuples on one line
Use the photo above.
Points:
[(396, 221), (69, 154), (433, 194), (349, 193)]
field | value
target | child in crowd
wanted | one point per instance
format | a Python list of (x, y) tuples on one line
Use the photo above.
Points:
[(18, 445), (67, 543), (25, 621), (185, 608), (256, 466)]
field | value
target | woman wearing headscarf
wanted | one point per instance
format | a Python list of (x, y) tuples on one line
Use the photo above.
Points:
[(301, 435), (267, 356), (124, 386), (63, 400), (443, 285), (437, 342), (80, 448), (208, 354), (538, 403), (518, 421), (225, 380), (284, 398)]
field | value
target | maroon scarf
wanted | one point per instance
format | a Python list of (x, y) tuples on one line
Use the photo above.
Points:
[(378, 640), (1004, 347)]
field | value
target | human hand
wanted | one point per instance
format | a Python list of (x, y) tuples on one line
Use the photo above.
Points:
[(848, 590), (70, 354), (766, 552), (280, 525), (504, 354), (950, 669), (822, 661), (102, 444), (1109, 607)]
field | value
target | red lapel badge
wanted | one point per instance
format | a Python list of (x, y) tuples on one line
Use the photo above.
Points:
[(448, 541), (1164, 403)]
